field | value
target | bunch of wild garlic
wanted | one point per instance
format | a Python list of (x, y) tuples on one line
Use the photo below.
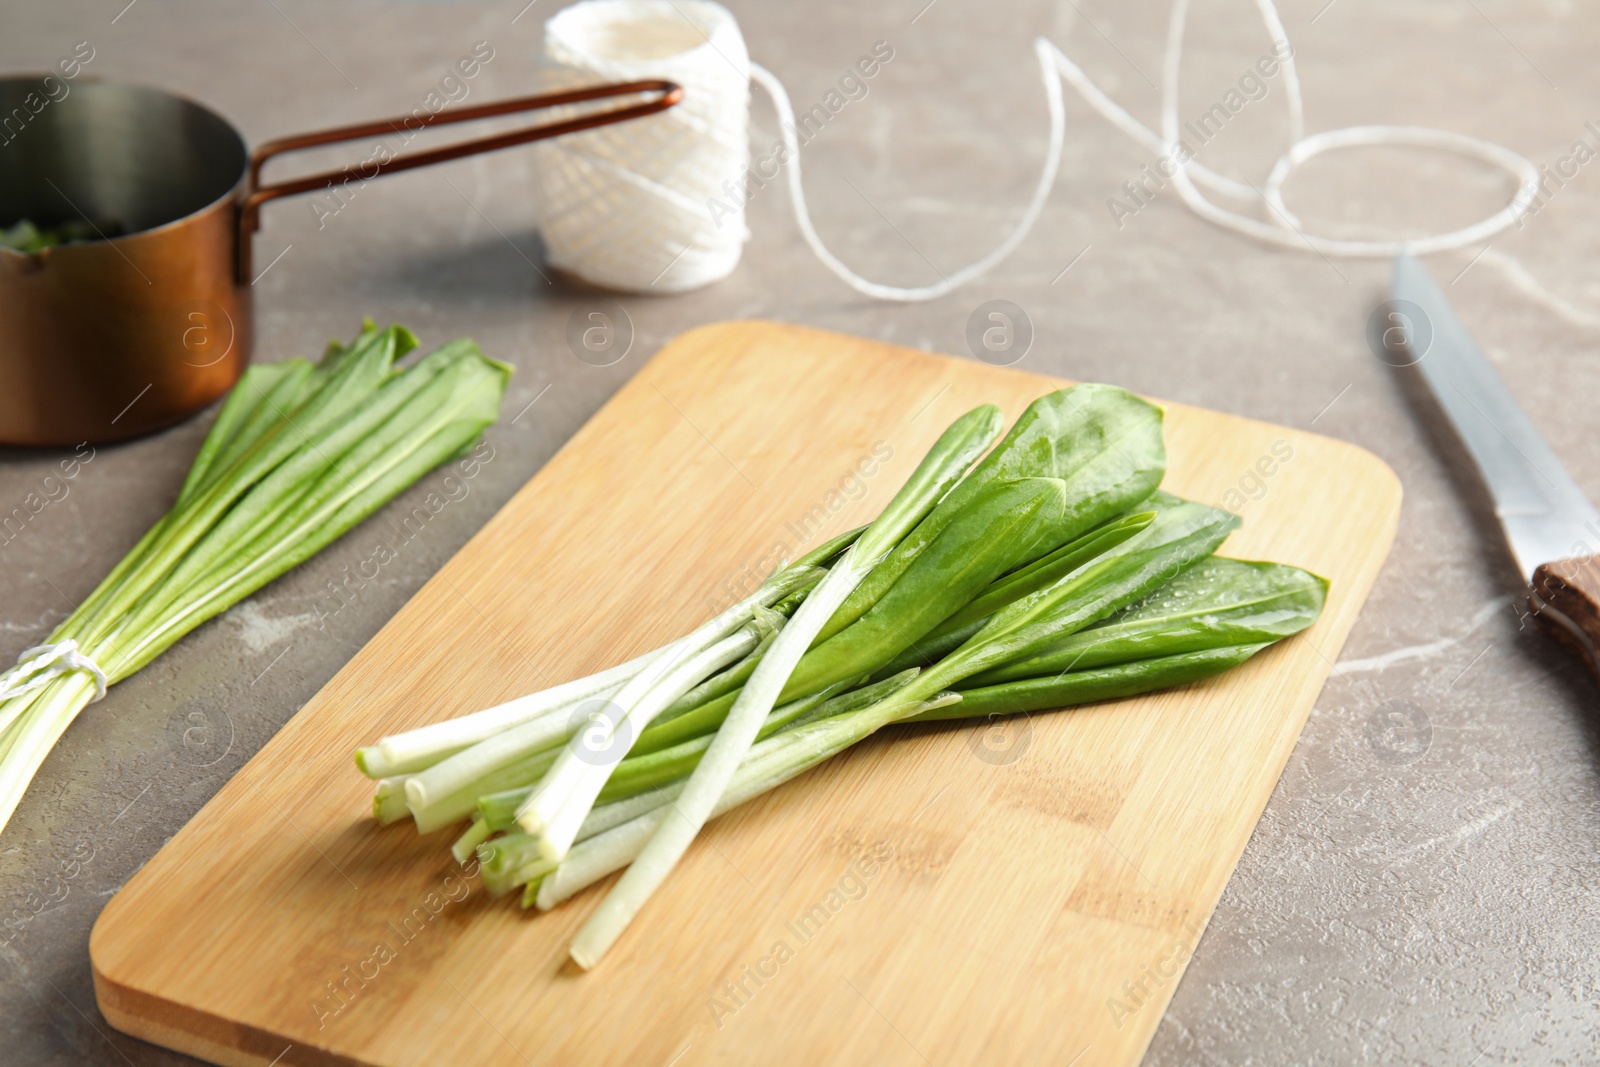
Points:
[(1052, 573), (298, 454)]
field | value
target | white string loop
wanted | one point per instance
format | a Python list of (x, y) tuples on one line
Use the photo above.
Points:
[(1281, 229), (1284, 229), (38, 666), (802, 216)]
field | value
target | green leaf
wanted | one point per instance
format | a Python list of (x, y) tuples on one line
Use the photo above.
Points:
[(359, 373), (945, 464), (1178, 537), (1002, 525), (1215, 603), (1087, 687), (431, 424), (958, 628), (1103, 443), (244, 402)]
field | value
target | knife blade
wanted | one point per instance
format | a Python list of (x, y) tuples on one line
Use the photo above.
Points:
[(1551, 527)]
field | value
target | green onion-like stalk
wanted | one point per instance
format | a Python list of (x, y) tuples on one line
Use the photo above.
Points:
[(766, 766), (941, 469)]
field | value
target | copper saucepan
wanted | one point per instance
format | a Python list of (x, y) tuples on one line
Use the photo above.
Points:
[(117, 336)]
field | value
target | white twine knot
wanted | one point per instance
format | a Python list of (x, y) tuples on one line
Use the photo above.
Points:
[(39, 665)]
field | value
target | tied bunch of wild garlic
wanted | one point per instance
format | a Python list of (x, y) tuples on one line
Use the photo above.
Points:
[(299, 453)]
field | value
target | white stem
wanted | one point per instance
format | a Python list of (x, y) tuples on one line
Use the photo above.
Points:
[(12, 709), (456, 772), (728, 749), (465, 845), (556, 809), (528, 872), (597, 857), (769, 764), (603, 817), (417, 749), (26, 742), (389, 800), (542, 804)]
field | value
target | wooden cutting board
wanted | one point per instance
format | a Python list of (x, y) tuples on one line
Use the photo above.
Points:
[(1025, 892)]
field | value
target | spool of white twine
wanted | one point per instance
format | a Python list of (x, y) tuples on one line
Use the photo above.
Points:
[(624, 206), (627, 206)]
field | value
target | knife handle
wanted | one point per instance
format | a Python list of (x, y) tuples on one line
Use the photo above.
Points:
[(1565, 601)]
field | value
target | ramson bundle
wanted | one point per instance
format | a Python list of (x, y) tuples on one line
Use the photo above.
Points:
[(1053, 572), (299, 453)]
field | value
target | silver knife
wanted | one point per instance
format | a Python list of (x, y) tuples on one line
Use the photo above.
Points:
[(1551, 527)]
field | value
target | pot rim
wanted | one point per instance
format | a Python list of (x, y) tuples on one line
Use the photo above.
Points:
[(232, 194)]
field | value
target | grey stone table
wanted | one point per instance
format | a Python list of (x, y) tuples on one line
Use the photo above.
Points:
[(1422, 886)]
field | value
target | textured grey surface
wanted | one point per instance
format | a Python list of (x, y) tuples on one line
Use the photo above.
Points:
[(1401, 901)]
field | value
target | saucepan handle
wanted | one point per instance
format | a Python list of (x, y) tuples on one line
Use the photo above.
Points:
[(661, 95)]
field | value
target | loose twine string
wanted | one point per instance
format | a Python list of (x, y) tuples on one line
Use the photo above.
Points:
[(628, 211)]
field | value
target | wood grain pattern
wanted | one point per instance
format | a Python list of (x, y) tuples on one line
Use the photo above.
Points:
[(939, 894)]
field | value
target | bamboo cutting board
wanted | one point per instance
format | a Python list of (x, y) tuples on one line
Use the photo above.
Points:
[(1024, 892)]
